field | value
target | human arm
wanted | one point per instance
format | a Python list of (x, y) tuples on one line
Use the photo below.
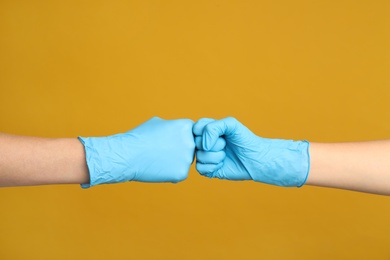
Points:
[(155, 151), (28, 160), (359, 166)]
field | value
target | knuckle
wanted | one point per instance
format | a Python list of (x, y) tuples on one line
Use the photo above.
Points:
[(208, 128), (231, 120), (200, 155), (181, 175), (223, 155), (231, 123), (191, 145), (198, 141), (198, 167), (187, 122)]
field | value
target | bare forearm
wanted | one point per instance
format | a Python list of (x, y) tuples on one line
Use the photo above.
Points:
[(39, 161), (360, 166)]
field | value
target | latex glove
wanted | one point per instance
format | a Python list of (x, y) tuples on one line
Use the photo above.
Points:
[(247, 156), (156, 151)]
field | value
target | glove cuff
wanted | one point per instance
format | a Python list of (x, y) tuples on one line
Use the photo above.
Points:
[(289, 166), (305, 162), (92, 159), (99, 154)]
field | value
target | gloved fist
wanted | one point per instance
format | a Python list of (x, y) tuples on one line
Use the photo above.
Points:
[(226, 149), (156, 151)]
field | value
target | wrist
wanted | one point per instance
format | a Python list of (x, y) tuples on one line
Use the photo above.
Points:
[(102, 161), (286, 163)]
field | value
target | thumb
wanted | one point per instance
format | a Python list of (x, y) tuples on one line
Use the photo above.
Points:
[(199, 126), (224, 127)]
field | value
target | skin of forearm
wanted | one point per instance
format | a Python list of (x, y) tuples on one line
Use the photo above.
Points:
[(39, 161), (358, 166)]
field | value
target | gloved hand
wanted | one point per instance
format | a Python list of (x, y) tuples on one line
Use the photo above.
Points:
[(246, 156), (156, 151)]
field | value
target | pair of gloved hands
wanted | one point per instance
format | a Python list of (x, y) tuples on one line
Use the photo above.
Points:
[(163, 151)]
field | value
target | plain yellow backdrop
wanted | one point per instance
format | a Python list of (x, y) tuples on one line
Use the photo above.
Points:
[(315, 70)]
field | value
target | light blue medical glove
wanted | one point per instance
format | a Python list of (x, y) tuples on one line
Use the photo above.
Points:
[(156, 151), (246, 156)]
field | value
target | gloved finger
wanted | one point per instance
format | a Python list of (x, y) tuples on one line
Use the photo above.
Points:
[(208, 169), (220, 145), (214, 130), (199, 126), (210, 157)]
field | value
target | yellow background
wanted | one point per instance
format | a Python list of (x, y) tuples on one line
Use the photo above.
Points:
[(315, 70)]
